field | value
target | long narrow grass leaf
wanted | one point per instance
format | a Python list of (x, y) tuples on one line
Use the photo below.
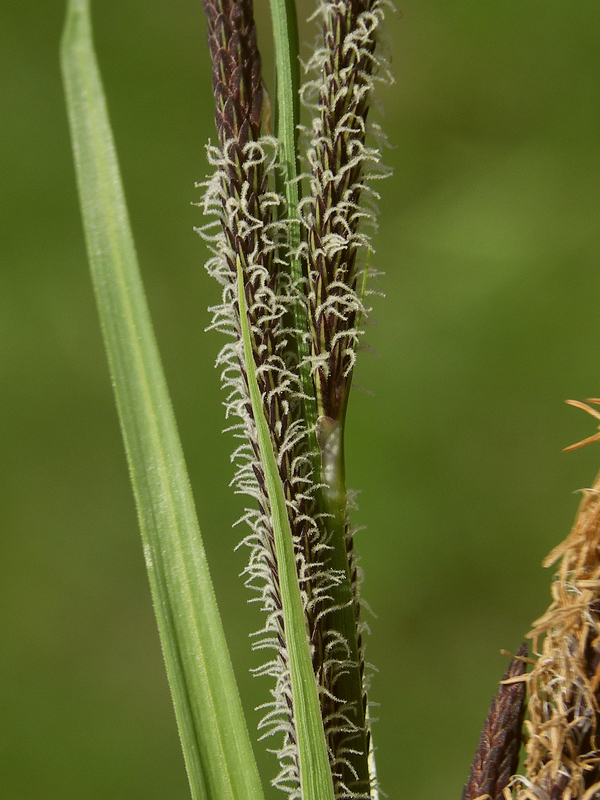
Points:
[(287, 65), (215, 739), (315, 773)]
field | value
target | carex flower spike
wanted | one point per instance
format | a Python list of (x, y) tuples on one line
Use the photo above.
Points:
[(247, 235), (265, 365), (336, 213), (340, 163)]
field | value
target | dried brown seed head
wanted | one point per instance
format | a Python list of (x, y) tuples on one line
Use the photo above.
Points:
[(563, 759)]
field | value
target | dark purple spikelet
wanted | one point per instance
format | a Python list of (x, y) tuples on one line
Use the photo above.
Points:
[(332, 213), (237, 90), (250, 238), (241, 179), (236, 69), (247, 219), (497, 756)]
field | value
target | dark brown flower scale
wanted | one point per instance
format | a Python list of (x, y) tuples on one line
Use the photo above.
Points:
[(497, 756), (343, 99), (236, 69)]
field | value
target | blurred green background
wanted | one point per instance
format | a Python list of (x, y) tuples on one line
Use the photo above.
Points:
[(490, 242)]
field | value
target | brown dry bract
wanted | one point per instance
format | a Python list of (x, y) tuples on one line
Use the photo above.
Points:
[(594, 413)]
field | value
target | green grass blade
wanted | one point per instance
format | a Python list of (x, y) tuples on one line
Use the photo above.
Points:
[(287, 65), (214, 735), (315, 774)]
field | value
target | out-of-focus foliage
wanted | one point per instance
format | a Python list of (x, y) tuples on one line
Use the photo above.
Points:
[(490, 241)]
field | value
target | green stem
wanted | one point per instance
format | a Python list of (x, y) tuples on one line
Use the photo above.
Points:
[(343, 619)]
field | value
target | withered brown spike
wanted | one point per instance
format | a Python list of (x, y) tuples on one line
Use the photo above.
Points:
[(237, 85), (497, 755)]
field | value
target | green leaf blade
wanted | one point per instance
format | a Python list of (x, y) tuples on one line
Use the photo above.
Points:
[(287, 65), (213, 732)]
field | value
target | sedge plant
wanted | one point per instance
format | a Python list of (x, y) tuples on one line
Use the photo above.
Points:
[(287, 214), (287, 217)]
